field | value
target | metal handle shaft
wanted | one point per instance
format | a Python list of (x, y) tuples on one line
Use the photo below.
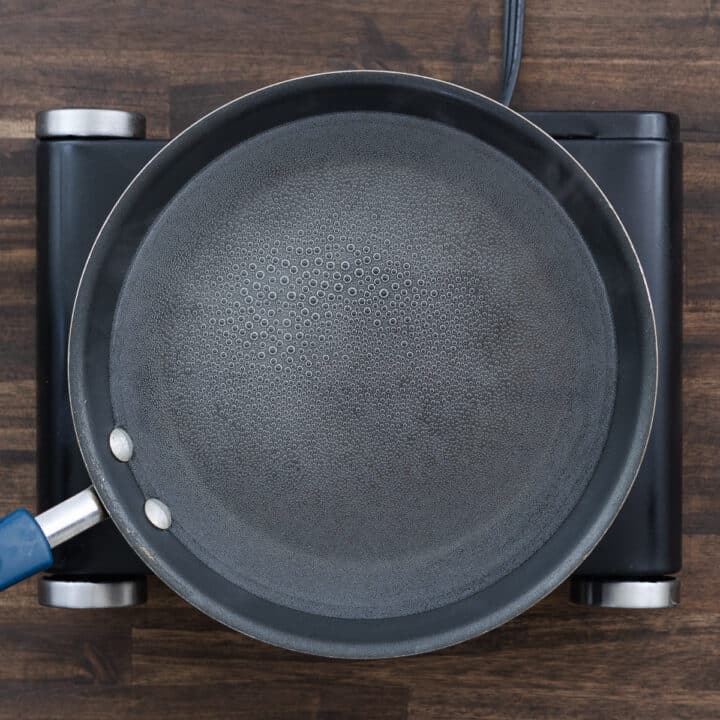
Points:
[(71, 517)]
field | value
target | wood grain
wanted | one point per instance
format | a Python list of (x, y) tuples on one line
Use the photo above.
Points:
[(176, 60)]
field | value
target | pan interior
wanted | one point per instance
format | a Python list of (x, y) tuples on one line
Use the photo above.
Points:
[(367, 361)]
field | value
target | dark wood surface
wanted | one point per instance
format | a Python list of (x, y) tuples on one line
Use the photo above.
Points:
[(175, 61)]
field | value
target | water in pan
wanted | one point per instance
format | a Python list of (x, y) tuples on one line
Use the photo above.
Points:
[(367, 362)]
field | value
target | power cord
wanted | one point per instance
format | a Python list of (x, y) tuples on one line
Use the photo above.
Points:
[(513, 23)]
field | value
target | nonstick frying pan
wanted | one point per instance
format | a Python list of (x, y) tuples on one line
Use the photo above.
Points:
[(361, 364)]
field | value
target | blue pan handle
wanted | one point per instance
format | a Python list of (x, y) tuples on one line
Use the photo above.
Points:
[(24, 549), (26, 542)]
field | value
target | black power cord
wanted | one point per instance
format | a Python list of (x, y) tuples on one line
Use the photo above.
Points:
[(513, 22)]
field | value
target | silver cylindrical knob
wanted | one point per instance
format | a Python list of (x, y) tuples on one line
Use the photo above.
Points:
[(84, 593), (638, 594), (89, 123)]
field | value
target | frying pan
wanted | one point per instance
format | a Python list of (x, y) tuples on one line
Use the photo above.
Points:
[(361, 364)]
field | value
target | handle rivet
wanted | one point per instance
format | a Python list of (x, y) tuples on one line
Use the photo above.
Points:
[(158, 513), (121, 444)]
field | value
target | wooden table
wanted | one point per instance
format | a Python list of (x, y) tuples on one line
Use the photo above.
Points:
[(174, 62)]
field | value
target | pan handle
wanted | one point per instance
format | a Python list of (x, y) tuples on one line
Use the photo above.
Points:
[(26, 542)]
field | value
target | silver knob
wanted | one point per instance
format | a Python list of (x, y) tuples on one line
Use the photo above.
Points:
[(89, 123), (631, 594), (82, 593)]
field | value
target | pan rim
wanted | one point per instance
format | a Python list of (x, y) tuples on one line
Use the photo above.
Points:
[(385, 648)]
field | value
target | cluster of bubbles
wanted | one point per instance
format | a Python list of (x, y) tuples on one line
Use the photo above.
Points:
[(302, 305)]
